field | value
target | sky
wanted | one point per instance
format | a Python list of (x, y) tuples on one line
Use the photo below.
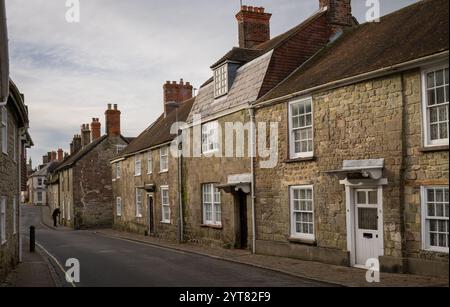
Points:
[(122, 52)]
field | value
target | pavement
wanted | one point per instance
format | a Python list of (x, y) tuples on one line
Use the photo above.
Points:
[(113, 258), (35, 270)]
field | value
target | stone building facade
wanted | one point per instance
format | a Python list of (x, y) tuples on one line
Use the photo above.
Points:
[(363, 150), (81, 184), (251, 70), (145, 174), (14, 139)]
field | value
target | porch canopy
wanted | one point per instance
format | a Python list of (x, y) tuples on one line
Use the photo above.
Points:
[(371, 169), (237, 183)]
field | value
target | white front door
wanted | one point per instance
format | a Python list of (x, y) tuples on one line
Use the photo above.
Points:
[(368, 225)]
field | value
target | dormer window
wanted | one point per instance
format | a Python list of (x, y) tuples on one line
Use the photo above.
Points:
[(221, 81)]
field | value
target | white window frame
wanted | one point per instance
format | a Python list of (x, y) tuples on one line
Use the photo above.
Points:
[(37, 197), (210, 137), (40, 182), (14, 215), (221, 81), (425, 220), (119, 206), (164, 156), (4, 129), (150, 162), (292, 153), (425, 114), (165, 206), (214, 221), (118, 170), (137, 165), (293, 231), (3, 201), (138, 196)]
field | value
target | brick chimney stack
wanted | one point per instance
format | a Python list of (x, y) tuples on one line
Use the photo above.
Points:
[(76, 144), (254, 26), (112, 116), (60, 155), (85, 135), (95, 129), (53, 156), (176, 92), (45, 159), (339, 14)]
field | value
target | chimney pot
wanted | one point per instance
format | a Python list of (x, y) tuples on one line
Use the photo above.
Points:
[(112, 121)]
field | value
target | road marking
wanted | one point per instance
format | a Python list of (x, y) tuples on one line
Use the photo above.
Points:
[(57, 262)]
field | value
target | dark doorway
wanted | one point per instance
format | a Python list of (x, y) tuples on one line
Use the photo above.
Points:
[(151, 222), (242, 227)]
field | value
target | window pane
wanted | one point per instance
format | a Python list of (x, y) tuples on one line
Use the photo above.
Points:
[(434, 132), (431, 210), (368, 218), (361, 197), (434, 115), (439, 77), (373, 197), (430, 80), (431, 97), (440, 95), (443, 113), (439, 195), (433, 239), (443, 130), (433, 225), (439, 209)]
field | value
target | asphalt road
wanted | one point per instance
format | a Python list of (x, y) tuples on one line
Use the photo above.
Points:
[(110, 262)]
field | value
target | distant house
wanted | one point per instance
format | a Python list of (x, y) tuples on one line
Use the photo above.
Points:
[(37, 182), (145, 173), (363, 149), (81, 184)]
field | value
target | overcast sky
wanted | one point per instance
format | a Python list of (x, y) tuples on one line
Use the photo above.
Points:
[(122, 52)]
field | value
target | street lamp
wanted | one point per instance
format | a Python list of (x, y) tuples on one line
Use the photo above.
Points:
[(176, 105)]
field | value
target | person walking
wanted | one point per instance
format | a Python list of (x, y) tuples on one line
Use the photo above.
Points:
[(55, 215)]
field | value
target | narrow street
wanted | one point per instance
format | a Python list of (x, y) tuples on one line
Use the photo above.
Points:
[(110, 262)]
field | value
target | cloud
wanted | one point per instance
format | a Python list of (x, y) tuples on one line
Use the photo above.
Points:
[(122, 52)]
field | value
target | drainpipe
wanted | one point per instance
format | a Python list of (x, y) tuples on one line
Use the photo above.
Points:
[(19, 200), (252, 167)]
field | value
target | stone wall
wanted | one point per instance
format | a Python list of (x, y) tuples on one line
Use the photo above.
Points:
[(9, 187), (125, 187), (202, 170), (360, 121)]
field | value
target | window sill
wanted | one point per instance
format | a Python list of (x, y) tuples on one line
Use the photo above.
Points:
[(302, 241), (434, 148), (297, 160), (137, 175), (138, 216), (436, 250), (163, 172), (166, 222), (3, 243), (218, 227)]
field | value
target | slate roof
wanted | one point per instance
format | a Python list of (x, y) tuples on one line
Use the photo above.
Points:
[(239, 55), (411, 33), (45, 169), (249, 80), (245, 89), (159, 132)]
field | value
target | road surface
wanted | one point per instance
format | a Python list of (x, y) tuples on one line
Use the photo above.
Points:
[(111, 262)]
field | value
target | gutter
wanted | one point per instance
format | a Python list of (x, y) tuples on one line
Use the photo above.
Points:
[(359, 78)]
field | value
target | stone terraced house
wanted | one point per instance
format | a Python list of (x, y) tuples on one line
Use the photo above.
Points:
[(81, 184), (14, 139), (363, 149), (219, 208), (146, 175)]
